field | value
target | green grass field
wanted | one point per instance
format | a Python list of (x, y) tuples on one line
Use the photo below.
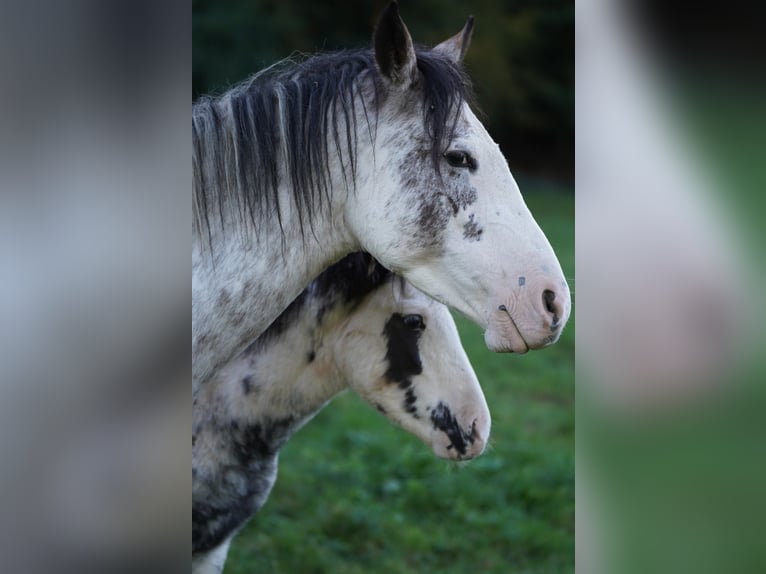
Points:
[(358, 495)]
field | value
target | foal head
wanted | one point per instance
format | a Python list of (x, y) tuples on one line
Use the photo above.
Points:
[(441, 207), (400, 351)]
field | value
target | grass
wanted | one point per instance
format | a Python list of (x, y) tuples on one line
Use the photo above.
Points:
[(357, 495)]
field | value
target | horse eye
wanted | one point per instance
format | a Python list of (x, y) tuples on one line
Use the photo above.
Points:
[(414, 322), (460, 159)]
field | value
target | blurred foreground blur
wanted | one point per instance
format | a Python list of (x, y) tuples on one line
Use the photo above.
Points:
[(94, 286), (670, 370)]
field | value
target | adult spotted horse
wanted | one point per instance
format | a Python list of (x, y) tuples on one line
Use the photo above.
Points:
[(366, 150)]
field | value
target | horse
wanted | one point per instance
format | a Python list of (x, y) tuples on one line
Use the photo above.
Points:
[(370, 150), (356, 326)]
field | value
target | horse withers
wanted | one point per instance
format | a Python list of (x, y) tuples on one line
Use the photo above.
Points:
[(375, 150), (356, 326)]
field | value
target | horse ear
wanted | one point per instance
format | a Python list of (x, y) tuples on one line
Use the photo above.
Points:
[(456, 47), (394, 51)]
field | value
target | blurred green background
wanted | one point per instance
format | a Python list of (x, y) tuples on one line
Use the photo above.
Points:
[(354, 493)]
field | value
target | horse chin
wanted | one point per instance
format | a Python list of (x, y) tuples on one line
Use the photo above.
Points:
[(505, 338), (444, 449), (448, 452)]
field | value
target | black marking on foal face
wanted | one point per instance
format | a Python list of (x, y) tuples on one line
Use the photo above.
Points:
[(402, 354), (445, 421), (410, 398)]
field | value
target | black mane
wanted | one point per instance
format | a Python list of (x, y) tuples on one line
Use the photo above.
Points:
[(282, 121)]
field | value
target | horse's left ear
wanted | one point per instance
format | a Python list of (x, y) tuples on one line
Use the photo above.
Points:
[(456, 47), (394, 51)]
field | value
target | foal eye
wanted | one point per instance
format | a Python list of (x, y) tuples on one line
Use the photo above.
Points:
[(460, 159), (414, 322)]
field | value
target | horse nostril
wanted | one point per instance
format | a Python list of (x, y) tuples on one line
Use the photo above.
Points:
[(549, 298)]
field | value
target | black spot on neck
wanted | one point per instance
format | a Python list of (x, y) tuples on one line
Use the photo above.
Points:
[(310, 357), (247, 385), (402, 353)]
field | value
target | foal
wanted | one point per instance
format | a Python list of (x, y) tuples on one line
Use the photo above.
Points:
[(359, 326)]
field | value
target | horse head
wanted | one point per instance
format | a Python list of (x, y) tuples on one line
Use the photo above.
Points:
[(439, 205), (401, 352)]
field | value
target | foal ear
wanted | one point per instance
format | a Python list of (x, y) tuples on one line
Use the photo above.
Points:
[(456, 47), (394, 51)]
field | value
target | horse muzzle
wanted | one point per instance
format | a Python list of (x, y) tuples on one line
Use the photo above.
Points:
[(455, 441), (532, 316)]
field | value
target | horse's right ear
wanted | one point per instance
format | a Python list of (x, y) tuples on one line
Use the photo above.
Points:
[(394, 51)]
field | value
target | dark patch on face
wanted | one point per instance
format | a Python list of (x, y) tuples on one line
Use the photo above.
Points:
[(445, 421), (402, 354), (453, 205), (471, 230), (247, 385), (522, 281), (464, 197), (422, 194), (459, 198), (410, 398), (380, 408), (311, 356), (432, 220), (409, 402)]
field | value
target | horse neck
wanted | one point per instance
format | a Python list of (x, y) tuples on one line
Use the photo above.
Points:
[(288, 374), (239, 291)]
